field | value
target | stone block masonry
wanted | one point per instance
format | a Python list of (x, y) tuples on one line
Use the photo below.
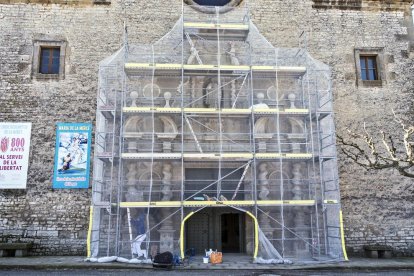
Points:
[(377, 206)]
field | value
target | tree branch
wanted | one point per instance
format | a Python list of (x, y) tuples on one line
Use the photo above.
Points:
[(362, 149)]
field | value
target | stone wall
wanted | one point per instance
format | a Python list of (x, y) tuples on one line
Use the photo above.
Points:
[(377, 206), (57, 220)]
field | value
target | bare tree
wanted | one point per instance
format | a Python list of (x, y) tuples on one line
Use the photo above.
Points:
[(376, 153)]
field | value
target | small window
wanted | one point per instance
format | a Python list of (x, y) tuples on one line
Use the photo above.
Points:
[(369, 69), (49, 60), (208, 6), (212, 2)]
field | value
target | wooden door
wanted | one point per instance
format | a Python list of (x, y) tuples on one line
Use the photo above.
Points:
[(197, 232)]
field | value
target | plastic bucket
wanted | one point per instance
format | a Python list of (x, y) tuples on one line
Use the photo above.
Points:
[(205, 260)]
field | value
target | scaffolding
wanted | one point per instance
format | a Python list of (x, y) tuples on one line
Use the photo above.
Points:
[(210, 120)]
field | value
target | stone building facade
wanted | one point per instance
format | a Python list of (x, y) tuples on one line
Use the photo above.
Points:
[(377, 206)]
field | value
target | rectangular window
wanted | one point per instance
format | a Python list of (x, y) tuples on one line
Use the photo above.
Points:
[(369, 69), (49, 60)]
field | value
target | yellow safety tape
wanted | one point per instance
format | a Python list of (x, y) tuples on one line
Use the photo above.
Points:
[(342, 235), (88, 239), (256, 234), (182, 234)]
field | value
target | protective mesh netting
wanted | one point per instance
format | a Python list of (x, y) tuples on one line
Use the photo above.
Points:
[(213, 138)]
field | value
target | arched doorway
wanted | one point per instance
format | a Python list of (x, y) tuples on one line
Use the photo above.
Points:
[(221, 228)]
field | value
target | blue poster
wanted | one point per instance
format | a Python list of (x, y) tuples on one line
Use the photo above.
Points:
[(72, 155)]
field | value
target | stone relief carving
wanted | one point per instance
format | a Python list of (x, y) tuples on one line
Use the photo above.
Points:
[(140, 127), (144, 182), (151, 90), (297, 136)]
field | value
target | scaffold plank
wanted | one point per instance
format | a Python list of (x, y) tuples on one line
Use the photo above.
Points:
[(283, 155), (290, 111), (194, 203), (223, 111), (150, 203), (146, 109), (221, 26), (212, 67), (212, 203), (215, 156), (330, 201), (148, 155), (280, 69), (235, 156), (285, 202)]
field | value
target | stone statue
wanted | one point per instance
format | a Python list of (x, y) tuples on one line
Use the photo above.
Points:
[(167, 97), (193, 54), (263, 182), (131, 175), (166, 182), (134, 96), (292, 98), (210, 127), (260, 104), (232, 54), (212, 95)]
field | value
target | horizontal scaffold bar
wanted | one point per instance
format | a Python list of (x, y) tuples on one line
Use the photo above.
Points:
[(330, 201), (236, 156), (221, 26), (223, 111), (194, 203), (211, 67)]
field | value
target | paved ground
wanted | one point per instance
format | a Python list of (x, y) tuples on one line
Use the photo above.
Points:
[(129, 272), (58, 265)]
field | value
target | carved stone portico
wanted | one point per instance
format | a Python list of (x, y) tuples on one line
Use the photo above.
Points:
[(215, 133)]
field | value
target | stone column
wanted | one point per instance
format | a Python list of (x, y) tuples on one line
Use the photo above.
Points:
[(297, 181), (133, 193), (265, 225), (166, 232), (166, 140), (166, 182), (263, 182), (301, 229)]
